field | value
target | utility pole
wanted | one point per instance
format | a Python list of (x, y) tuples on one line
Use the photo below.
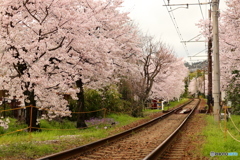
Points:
[(209, 95), (204, 82), (196, 94), (216, 65)]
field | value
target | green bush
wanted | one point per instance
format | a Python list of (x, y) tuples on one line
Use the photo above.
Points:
[(93, 102), (13, 126), (54, 124), (233, 91)]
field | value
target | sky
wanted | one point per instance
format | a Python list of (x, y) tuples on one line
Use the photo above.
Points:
[(173, 24)]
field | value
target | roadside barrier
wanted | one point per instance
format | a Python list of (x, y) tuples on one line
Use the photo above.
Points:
[(227, 131), (234, 124), (30, 127), (19, 130)]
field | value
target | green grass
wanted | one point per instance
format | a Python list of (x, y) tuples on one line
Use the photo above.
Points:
[(217, 140), (24, 145), (123, 118), (175, 103)]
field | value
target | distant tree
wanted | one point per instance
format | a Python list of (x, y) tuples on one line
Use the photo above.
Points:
[(157, 59), (170, 83)]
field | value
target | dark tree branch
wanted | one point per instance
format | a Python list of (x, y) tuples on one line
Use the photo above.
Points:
[(49, 32), (60, 45), (29, 27), (25, 5)]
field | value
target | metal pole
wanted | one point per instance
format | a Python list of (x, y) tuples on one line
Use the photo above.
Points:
[(216, 65)]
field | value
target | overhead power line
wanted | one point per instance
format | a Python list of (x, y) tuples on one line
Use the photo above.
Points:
[(195, 55), (200, 9), (176, 27), (187, 4)]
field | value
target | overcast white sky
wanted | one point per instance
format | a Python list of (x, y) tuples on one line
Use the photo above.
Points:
[(153, 18)]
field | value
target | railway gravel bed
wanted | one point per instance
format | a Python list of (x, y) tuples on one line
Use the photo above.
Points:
[(139, 144)]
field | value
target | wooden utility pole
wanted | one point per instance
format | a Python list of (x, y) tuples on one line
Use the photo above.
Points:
[(209, 95), (216, 65)]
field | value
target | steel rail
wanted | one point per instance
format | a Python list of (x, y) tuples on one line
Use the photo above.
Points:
[(76, 151), (155, 154)]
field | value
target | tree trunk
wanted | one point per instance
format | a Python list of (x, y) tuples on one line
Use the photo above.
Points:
[(31, 112), (81, 107)]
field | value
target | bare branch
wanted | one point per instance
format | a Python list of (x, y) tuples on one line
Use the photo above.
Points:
[(89, 5), (25, 5), (60, 45), (29, 27), (50, 32), (46, 9)]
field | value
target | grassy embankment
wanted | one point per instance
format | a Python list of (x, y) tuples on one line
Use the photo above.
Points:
[(217, 138), (24, 145)]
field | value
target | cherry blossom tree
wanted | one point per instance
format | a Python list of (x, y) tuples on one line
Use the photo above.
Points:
[(196, 85), (229, 55), (169, 83), (229, 41), (161, 71), (49, 45), (192, 87), (35, 60), (117, 42)]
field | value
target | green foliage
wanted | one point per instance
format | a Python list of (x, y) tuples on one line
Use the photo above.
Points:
[(186, 93), (93, 102), (14, 125), (112, 99), (219, 141), (108, 98), (233, 92), (62, 124), (72, 107), (5, 113), (126, 88)]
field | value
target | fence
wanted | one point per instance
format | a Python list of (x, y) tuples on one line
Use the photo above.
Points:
[(20, 114), (225, 130)]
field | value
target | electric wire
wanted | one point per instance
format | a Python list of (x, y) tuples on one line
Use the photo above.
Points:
[(201, 9), (194, 38), (176, 27), (199, 52)]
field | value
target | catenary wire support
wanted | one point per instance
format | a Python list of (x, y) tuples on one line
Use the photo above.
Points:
[(176, 26)]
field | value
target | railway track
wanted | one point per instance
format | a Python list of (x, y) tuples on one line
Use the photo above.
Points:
[(166, 150), (178, 149), (141, 142)]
